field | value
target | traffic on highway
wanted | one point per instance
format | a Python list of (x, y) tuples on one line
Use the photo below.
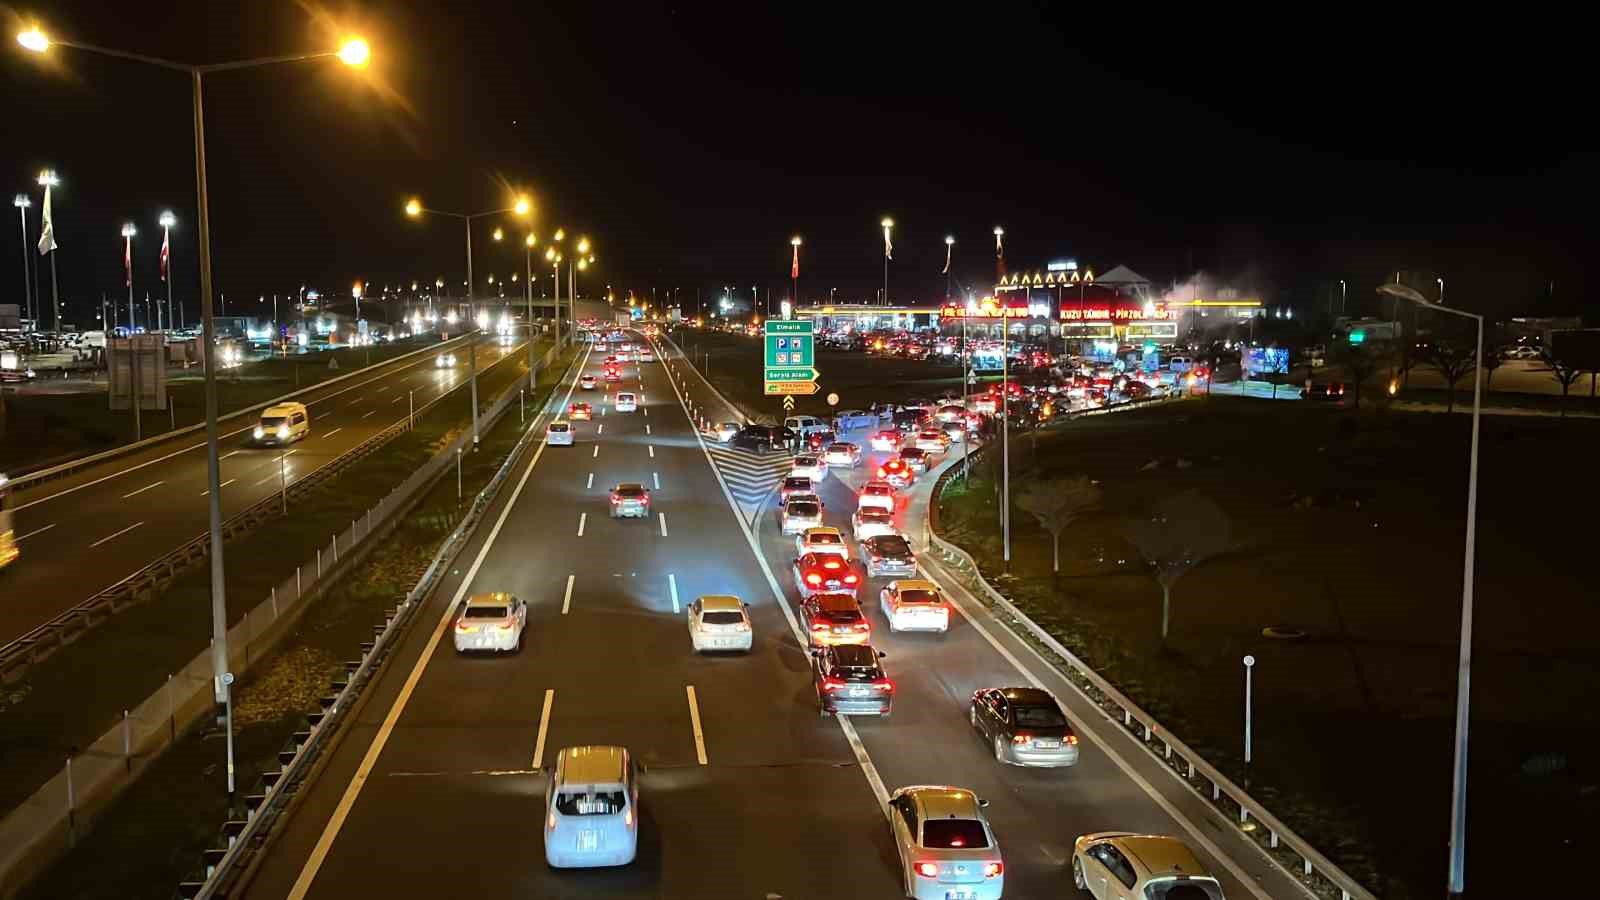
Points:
[(640, 683)]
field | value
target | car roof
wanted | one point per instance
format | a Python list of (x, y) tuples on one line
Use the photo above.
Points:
[(943, 802), (592, 765), (492, 598), (283, 409), (1160, 855), (721, 603), (915, 584)]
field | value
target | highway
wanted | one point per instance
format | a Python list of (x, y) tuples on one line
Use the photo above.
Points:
[(746, 791), (87, 531)]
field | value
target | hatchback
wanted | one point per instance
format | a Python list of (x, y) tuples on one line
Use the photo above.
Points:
[(809, 466), (915, 458), (888, 554), (914, 605), (490, 622), (587, 382), (800, 512), (834, 619), (591, 809), (870, 521), (885, 441), (842, 455), (558, 434), (824, 573), (580, 412), (630, 500), (876, 493), (719, 622)]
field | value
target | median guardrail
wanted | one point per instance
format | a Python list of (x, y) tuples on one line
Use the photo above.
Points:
[(60, 811), (1281, 844), (22, 653)]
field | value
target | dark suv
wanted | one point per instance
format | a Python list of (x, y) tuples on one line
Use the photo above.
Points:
[(762, 438)]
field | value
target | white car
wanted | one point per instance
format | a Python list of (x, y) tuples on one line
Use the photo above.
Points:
[(799, 512), (591, 809), (811, 467), (821, 540), (1149, 865), (627, 402), (558, 434), (1522, 351), (587, 382), (445, 361), (719, 622), (722, 432), (872, 521), (951, 412), (876, 493), (945, 844), (911, 604), (932, 440), (645, 355), (842, 455), (491, 622)]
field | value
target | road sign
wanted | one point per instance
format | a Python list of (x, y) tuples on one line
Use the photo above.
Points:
[(788, 404), (785, 388), (833, 399), (791, 373), (789, 343)]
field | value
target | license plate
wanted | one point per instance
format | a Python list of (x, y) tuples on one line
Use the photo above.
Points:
[(859, 692), (588, 839), (1047, 745), (960, 895)]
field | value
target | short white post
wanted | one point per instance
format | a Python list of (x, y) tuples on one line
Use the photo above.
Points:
[(127, 741), (1249, 667)]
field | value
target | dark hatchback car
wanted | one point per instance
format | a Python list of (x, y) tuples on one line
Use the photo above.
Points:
[(850, 682), (1025, 727), (761, 438), (888, 554)]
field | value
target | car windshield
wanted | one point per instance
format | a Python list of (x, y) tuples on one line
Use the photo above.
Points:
[(1040, 717), (954, 834), (722, 617), (486, 612), (890, 545), (558, 428), (273, 421), (801, 508), (598, 803), (918, 596)]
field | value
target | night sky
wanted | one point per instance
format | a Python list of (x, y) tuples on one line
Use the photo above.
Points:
[(690, 142)]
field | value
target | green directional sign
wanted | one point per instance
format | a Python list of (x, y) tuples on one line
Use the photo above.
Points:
[(791, 373), (789, 343)]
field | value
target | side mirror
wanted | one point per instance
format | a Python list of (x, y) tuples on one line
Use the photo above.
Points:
[(746, 605), (882, 655), (983, 803)]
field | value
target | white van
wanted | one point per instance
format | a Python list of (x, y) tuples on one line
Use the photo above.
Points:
[(1179, 364), (284, 423), (627, 402), (805, 425)]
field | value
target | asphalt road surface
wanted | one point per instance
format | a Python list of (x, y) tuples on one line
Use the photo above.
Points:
[(85, 532), (434, 788)]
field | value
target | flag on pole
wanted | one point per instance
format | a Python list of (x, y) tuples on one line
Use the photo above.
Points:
[(165, 253), (47, 236), (888, 246), (127, 261), (948, 248), (794, 267)]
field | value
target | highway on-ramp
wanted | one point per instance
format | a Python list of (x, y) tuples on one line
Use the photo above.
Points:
[(85, 532), (436, 788)]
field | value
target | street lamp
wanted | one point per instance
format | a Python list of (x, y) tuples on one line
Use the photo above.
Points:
[(498, 234), (128, 231), (794, 275), (520, 207), (354, 52), (888, 254), (22, 202), (166, 222), (949, 251)]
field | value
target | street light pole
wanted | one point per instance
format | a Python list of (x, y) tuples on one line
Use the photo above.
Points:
[(533, 379), (21, 202), (887, 224), (47, 180)]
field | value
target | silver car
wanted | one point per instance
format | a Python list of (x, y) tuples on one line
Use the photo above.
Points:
[(947, 849), (1025, 727), (630, 500)]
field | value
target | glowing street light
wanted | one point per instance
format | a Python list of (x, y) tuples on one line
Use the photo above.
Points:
[(33, 39), (499, 234), (888, 254), (355, 52), (583, 245)]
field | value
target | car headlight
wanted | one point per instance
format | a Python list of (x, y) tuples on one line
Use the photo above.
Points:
[(283, 431), (259, 433)]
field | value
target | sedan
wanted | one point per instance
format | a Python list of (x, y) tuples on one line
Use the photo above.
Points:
[(876, 493), (613, 375), (914, 605), (630, 500), (719, 622), (933, 440), (810, 467), (849, 681), (588, 382), (897, 471), (795, 484), (834, 619), (580, 412), (952, 412), (915, 458), (1024, 726), (1114, 864), (722, 432), (822, 541), (945, 844), (888, 554), (870, 521), (885, 441), (558, 434), (491, 622), (842, 455), (824, 573), (849, 419)]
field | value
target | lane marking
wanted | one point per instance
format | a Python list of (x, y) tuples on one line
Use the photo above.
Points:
[(694, 722), (583, 519), (143, 489), (596, 451), (656, 477), (226, 455), (330, 832), (382, 389), (353, 402), (590, 483), (544, 727), (334, 432), (369, 414), (396, 400), (600, 430), (566, 601), (652, 451), (36, 531), (663, 523), (672, 585), (117, 535), (275, 476), (219, 487), (647, 428)]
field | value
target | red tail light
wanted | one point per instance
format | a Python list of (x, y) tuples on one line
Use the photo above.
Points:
[(991, 870), (813, 578), (1021, 738), (884, 685), (1072, 740), (928, 869), (862, 626), (831, 684), (818, 626), (615, 498)]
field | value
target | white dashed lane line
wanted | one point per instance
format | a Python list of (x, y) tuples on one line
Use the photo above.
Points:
[(36, 531), (583, 519), (566, 600), (590, 484), (544, 728), (115, 535), (142, 490)]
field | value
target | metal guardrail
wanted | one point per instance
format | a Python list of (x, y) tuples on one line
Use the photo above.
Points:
[(1292, 853), (242, 839), (31, 479), (20, 654)]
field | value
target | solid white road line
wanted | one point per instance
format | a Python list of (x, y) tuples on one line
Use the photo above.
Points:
[(583, 519), (596, 451), (143, 489), (330, 832), (656, 477), (334, 432), (52, 525), (672, 585), (694, 722), (652, 451), (222, 485), (566, 600), (590, 483), (275, 476), (117, 535), (663, 523), (544, 728)]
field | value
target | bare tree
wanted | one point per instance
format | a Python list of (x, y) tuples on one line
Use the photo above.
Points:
[(1359, 363), (1491, 361), (1057, 503), (1182, 532), (1564, 373), (1452, 359)]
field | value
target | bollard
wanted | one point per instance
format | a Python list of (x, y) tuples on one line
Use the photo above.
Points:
[(172, 711), (274, 602), (72, 804), (319, 563), (127, 742), (299, 591)]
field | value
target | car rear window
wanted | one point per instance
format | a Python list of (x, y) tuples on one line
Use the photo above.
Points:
[(890, 545), (630, 490), (804, 462), (486, 612), (801, 508), (840, 448), (599, 803), (797, 481), (1183, 890), (624, 398), (824, 538), (954, 834), (918, 596), (1040, 717), (559, 428), (878, 491), (722, 617), (911, 453)]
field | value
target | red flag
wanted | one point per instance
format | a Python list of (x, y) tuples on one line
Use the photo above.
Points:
[(165, 255), (127, 260), (794, 268)]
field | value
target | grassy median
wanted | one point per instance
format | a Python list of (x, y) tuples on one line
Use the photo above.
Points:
[(1349, 528)]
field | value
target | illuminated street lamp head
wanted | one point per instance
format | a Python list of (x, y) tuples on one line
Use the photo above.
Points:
[(583, 245), (33, 39), (887, 222), (583, 264), (21, 201), (498, 234), (355, 52), (128, 230), (523, 206), (48, 178), (794, 241), (561, 234), (949, 239), (550, 254), (438, 283), (413, 207), (530, 240), (999, 232), (413, 285), (168, 219), (355, 289)]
